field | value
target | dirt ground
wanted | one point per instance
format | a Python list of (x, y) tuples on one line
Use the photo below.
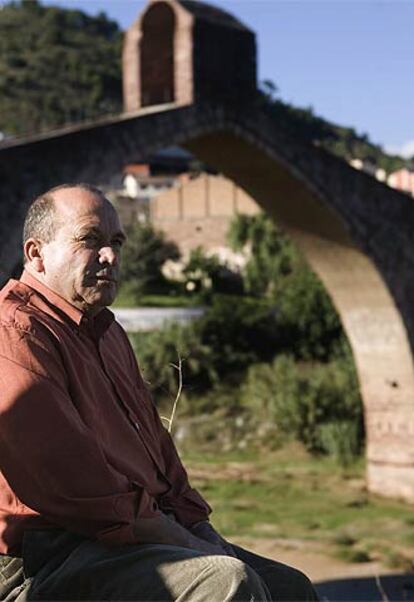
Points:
[(311, 559), (336, 580)]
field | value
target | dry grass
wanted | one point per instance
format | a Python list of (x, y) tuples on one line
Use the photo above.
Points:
[(288, 496)]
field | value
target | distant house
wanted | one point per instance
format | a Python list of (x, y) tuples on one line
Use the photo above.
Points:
[(137, 187), (402, 179), (370, 168), (139, 183)]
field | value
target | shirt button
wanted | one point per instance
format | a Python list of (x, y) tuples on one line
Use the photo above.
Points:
[(136, 425)]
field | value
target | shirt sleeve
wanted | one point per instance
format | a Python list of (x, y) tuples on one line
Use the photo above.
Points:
[(50, 458), (188, 505)]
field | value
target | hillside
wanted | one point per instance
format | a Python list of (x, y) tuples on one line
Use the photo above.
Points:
[(342, 141), (57, 66)]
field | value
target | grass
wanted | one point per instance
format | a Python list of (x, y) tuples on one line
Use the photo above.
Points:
[(289, 495)]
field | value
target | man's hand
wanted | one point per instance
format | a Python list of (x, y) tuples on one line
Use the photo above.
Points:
[(163, 530), (205, 530)]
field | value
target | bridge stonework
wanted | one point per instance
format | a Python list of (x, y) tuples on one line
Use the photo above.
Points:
[(355, 232)]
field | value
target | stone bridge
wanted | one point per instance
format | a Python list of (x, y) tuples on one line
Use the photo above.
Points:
[(356, 233)]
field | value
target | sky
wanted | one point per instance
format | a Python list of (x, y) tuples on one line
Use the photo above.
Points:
[(352, 61)]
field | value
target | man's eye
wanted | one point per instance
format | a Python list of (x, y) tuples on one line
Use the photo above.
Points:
[(89, 239)]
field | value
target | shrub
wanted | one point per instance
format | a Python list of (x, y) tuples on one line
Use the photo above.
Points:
[(234, 332), (306, 399), (207, 275), (158, 350), (309, 326), (239, 331), (143, 256), (341, 440)]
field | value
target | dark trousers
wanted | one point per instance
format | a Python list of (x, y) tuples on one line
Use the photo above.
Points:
[(57, 565)]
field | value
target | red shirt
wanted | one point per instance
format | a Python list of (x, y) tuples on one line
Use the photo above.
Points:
[(81, 444)]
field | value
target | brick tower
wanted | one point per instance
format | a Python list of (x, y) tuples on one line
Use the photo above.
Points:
[(186, 51)]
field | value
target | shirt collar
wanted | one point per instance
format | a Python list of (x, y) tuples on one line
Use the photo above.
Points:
[(97, 325)]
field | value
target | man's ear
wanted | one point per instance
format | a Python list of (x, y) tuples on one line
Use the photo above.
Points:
[(33, 254)]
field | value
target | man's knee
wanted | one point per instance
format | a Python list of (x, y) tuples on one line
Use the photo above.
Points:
[(234, 580), (288, 583), (304, 586)]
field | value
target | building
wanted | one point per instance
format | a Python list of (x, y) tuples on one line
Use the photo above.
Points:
[(198, 212), (402, 179), (370, 168)]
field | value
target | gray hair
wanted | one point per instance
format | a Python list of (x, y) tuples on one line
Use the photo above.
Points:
[(41, 220)]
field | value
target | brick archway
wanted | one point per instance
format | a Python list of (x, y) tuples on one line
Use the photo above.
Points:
[(157, 55)]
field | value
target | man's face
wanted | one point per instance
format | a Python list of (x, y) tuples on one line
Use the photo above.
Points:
[(82, 262)]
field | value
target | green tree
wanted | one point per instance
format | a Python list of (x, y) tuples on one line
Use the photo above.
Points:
[(143, 257), (270, 252), (56, 66), (308, 324)]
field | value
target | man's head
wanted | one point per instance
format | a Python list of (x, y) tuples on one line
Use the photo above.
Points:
[(72, 241)]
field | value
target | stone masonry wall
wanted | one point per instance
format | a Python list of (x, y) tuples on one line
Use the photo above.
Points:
[(199, 212)]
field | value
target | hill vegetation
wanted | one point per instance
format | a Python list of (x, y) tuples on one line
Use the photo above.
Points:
[(57, 66), (342, 141), (66, 68)]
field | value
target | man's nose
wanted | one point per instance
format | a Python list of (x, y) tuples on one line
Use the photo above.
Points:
[(108, 255)]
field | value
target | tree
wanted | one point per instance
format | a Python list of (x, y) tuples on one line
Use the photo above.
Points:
[(143, 257), (270, 252), (64, 68), (308, 324)]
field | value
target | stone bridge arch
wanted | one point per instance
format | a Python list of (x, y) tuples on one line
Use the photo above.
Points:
[(355, 232)]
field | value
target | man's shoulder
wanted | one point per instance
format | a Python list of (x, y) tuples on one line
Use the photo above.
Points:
[(24, 327), (15, 311)]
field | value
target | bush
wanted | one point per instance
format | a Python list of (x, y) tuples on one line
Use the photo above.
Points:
[(234, 333), (305, 400), (159, 350), (239, 331), (205, 274), (143, 256), (341, 440), (309, 326)]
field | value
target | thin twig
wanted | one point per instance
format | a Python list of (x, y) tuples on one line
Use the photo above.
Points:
[(179, 368), (180, 388), (381, 589)]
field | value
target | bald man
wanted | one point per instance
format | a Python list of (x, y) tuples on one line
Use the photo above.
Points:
[(95, 503)]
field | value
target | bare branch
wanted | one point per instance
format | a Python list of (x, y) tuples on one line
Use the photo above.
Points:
[(179, 369), (381, 589), (180, 388)]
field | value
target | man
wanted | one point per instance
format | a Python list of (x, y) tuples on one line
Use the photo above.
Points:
[(95, 503)]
